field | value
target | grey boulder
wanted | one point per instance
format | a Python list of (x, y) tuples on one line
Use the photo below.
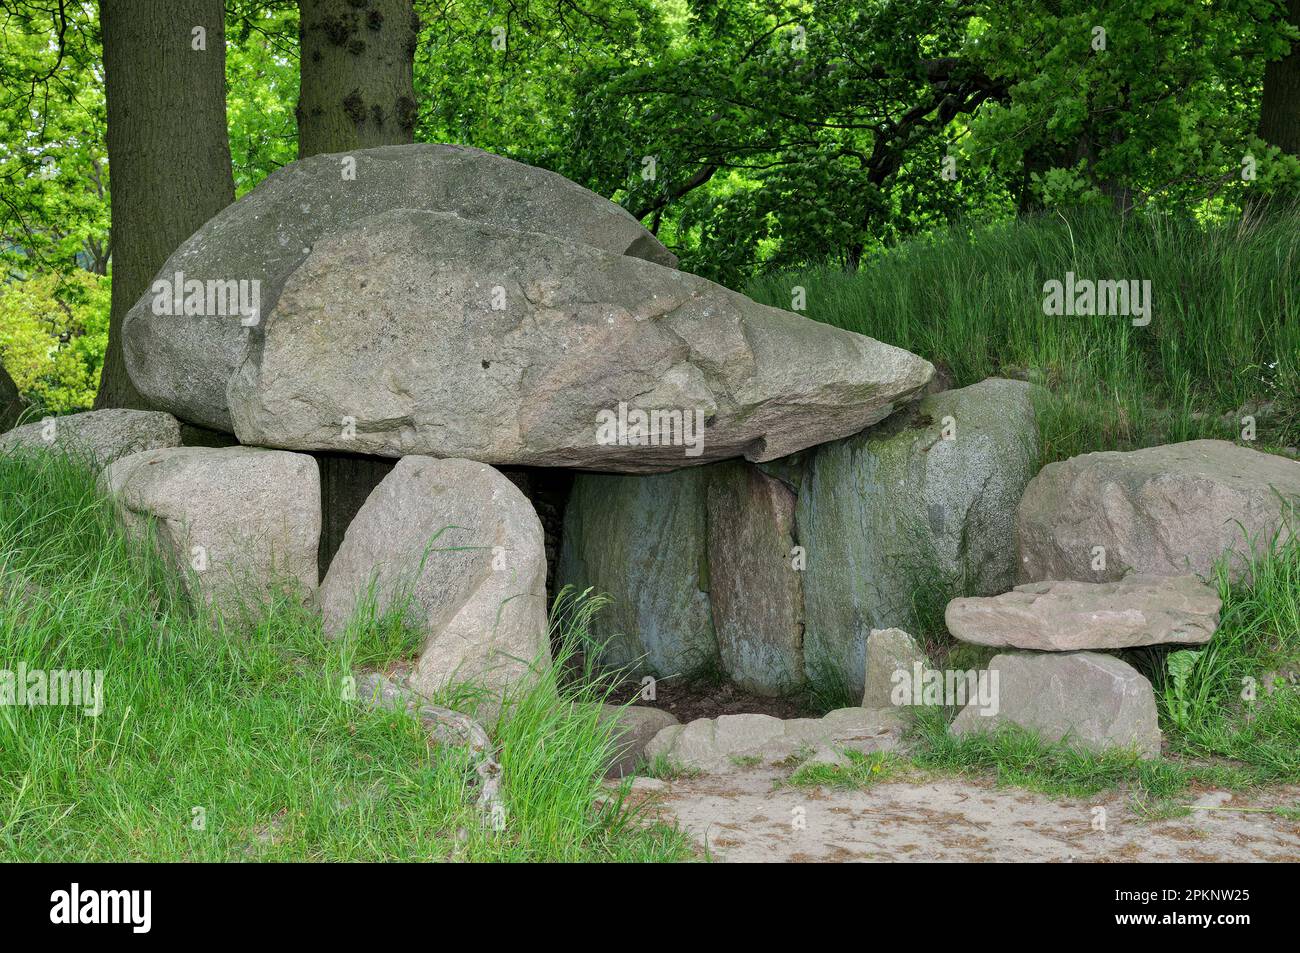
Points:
[(242, 523), (426, 333), (1084, 699), (99, 437), (901, 513), (1066, 616), (183, 363), (1165, 510), (642, 541), (457, 549), (888, 651), (756, 592), (634, 727)]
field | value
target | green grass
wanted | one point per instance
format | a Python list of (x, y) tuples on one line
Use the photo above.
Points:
[(1019, 758), (861, 771), (1224, 335), (1210, 712), (218, 743)]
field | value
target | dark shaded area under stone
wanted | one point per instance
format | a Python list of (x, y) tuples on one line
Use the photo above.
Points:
[(195, 436), (346, 479), (547, 488), (689, 700)]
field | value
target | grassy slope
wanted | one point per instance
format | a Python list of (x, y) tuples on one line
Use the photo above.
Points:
[(253, 729), (1224, 334)]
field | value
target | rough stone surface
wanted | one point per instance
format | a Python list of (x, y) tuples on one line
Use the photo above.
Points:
[(730, 742), (1066, 616), (756, 592), (899, 512), (184, 364), (642, 541), (1096, 702), (887, 651), (11, 402), (1166, 511), (456, 546), (99, 436), (249, 517), (392, 324), (636, 726)]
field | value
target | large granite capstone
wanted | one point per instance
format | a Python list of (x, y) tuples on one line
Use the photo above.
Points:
[(183, 363), (427, 333)]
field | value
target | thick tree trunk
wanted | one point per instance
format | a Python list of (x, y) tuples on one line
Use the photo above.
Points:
[(1279, 111), (356, 68), (356, 65), (168, 147), (11, 404)]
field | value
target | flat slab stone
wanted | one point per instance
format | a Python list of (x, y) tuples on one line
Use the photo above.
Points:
[(1067, 616), (1089, 700), (1165, 511), (732, 742), (100, 437)]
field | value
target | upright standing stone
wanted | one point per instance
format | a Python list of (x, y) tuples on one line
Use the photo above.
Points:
[(642, 540), (457, 548), (241, 522), (888, 651), (755, 588), (912, 511)]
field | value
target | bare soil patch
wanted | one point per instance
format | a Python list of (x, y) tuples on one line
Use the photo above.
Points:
[(754, 816)]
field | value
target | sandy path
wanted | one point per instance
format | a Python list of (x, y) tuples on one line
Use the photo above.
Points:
[(748, 816)]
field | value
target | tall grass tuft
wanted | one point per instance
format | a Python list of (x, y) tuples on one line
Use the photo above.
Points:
[(1224, 336)]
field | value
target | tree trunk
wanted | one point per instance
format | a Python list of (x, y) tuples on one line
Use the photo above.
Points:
[(168, 147), (356, 66), (1279, 111), (11, 403)]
